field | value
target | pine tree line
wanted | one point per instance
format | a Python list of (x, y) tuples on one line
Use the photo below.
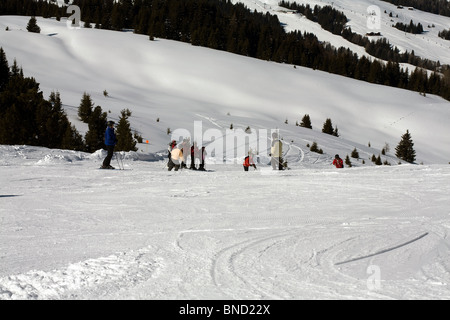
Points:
[(441, 7), (222, 25), (41, 8), (335, 21), (411, 28), (27, 118)]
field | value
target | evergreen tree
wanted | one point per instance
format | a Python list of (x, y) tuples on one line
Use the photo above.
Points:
[(405, 148), (48, 118), (32, 26), (95, 135), (378, 161), (126, 142), (27, 118), (336, 132), (85, 108), (61, 134), (355, 154), (72, 139), (328, 127), (4, 70), (347, 161), (306, 122), (18, 103)]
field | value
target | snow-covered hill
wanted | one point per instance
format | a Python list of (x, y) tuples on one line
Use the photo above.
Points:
[(179, 84), (427, 45)]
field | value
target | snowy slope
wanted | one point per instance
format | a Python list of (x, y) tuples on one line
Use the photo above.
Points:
[(180, 84), (427, 45)]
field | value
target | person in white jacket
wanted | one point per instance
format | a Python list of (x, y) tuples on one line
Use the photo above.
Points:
[(176, 159), (276, 152)]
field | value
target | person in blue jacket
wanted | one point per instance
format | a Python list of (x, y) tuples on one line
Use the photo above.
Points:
[(110, 142)]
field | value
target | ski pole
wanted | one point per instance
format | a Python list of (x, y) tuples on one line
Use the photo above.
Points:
[(115, 153), (121, 160), (118, 163)]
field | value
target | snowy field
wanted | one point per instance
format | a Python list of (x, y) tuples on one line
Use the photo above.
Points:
[(71, 231)]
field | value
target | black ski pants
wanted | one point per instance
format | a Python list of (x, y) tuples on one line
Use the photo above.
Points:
[(107, 161)]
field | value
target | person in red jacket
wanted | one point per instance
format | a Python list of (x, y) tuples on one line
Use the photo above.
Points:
[(338, 162), (248, 162)]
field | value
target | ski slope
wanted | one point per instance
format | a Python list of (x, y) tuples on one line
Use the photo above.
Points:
[(179, 84), (71, 231)]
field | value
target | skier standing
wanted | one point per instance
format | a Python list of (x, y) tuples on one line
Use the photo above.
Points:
[(194, 155), (110, 142), (276, 152), (202, 160)]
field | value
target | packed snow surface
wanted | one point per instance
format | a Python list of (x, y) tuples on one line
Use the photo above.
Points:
[(69, 230)]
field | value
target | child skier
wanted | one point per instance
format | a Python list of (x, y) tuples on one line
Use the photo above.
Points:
[(248, 162), (338, 162), (176, 159)]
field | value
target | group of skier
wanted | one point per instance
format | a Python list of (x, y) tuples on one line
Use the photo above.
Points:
[(179, 153)]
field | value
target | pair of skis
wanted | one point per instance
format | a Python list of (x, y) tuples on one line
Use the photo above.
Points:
[(119, 163)]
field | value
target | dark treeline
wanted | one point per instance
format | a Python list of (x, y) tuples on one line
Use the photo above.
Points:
[(221, 25), (441, 7), (42, 8), (411, 28), (234, 28), (27, 118)]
